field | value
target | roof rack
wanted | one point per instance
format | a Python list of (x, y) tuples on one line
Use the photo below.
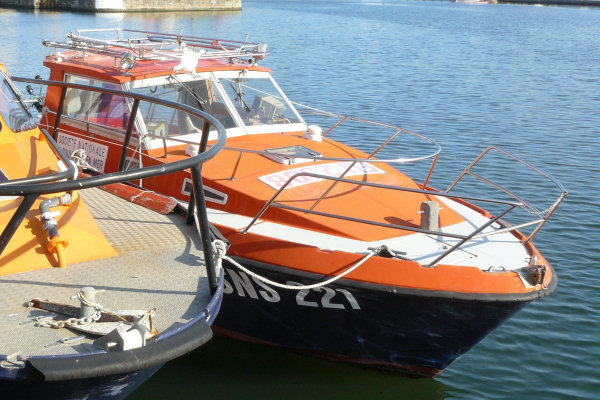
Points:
[(158, 46)]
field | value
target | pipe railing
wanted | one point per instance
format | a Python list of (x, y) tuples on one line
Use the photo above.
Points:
[(462, 238), (368, 158), (545, 214), (31, 188)]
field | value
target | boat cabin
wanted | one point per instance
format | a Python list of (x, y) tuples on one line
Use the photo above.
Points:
[(227, 84), (275, 166)]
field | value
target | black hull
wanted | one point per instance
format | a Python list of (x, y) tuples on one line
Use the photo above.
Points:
[(105, 375), (408, 331), (112, 387)]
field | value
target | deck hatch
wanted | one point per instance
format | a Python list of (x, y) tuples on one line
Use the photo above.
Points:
[(292, 154)]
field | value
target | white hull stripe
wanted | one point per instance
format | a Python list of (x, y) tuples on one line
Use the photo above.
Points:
[(502, 250)]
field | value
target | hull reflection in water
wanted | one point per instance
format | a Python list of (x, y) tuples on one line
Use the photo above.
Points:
[(235, 370)]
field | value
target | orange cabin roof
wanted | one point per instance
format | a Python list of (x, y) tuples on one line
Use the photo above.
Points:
[(106, 67)]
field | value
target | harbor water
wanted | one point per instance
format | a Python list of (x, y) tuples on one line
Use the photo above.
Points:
[(524, 78)]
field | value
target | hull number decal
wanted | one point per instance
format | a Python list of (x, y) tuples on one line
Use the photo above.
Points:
[(210, 194), (326, 299), (243, 285), (278, 179)]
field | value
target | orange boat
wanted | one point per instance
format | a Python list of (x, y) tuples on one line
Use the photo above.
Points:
[(97, 292), (333, 250)]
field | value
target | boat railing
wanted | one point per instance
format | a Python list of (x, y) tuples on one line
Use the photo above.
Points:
[(506, 206), (31, 188), (129, 45), (397, 134), (461, 239), (370, 158), (543, 215), (367, 158)]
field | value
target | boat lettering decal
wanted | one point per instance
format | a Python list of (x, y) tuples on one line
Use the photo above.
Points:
[(210, 194), (95, 153), (241, 284), (278, 179), (326, 298), (244, 286)]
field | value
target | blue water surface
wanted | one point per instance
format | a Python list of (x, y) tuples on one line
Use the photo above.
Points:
[(524, 78)]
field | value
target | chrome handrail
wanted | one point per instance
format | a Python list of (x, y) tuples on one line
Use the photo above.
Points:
[(545, 214), (476, 234), (369, 158), (31, 188), (462, 238), (157, 45)]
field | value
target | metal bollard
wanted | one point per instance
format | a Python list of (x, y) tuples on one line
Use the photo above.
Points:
[(89, 293)]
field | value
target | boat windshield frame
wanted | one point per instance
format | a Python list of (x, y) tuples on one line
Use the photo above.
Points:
[(299, 126), (215, 78), (13, 110)]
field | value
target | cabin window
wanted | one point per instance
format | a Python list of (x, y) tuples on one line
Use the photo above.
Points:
[(258, 101), (164, 121), (102, 108)]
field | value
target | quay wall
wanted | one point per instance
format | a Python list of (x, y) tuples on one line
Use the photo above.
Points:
[(125, 5), (580, 3)]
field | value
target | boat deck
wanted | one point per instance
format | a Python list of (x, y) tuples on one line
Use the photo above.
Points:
[(160, 265), (497, 250)]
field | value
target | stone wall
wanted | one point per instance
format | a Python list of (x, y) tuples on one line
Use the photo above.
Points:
[(578, 3), (181, 4), (126, 5)]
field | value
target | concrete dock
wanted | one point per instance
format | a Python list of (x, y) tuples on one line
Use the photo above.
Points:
[(125, 5)]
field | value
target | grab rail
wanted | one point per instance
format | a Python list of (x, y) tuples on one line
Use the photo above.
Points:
[(462, 238), (32, 187), (475, 234), (369, 158), (157, 46), (342, 118), (545, 214)]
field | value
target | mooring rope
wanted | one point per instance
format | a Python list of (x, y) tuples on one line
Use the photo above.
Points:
[(219, 249), (79, 158)]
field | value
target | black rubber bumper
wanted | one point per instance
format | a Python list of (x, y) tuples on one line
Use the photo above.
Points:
[(114, 363)]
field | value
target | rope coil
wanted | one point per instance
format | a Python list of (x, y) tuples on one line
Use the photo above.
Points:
[(79, 158)]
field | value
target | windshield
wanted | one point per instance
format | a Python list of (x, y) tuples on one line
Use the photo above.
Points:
[(200, 94), (244, 102), (15, 115), (258, 101)]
